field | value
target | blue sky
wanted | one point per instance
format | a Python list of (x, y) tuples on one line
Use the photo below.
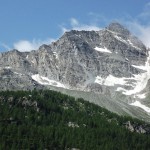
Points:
[(26, 24)]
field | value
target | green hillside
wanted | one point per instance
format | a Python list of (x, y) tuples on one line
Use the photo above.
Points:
[(54, 121)]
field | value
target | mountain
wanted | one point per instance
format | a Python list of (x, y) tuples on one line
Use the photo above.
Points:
[(109, 67)]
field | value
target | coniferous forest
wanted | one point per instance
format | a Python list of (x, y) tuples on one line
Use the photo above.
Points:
[(50, 120)]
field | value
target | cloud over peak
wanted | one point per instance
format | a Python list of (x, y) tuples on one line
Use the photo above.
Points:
[(25, 45), (74, 24)]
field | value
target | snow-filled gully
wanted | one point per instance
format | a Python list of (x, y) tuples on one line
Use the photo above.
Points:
[(141, 79), (139, 85), (46, 81)]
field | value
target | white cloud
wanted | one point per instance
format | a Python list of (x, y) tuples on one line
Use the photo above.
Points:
[(63, 29), (76, 25), (25, 45), (74, 22), (140, 25), (87, 27), (142, 31)]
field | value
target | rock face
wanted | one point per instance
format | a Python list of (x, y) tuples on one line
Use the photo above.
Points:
[(103, 62), (135, 127)]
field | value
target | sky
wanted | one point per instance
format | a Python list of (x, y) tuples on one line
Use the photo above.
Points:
[(27, 24)]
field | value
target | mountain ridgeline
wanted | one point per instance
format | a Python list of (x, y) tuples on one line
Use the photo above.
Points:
[(47, 119), (109, 67)]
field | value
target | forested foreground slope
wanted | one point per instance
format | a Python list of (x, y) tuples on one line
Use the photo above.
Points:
[(54, 121)]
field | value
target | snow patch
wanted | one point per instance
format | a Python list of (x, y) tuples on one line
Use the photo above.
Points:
[(32, 61), (55, 54), (141, 82), (18, 73), (141, 96), (105, 50), (7, 67), (46, 81), (120, 39), (126, 41), (138, 104), (133, 44), (110, 80), (138, 82), (140, 67)]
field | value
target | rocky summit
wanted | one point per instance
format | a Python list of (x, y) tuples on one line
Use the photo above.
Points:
[(109, 67)]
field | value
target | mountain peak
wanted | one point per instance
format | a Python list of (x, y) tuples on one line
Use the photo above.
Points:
[(117, 27), (102, 63)]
